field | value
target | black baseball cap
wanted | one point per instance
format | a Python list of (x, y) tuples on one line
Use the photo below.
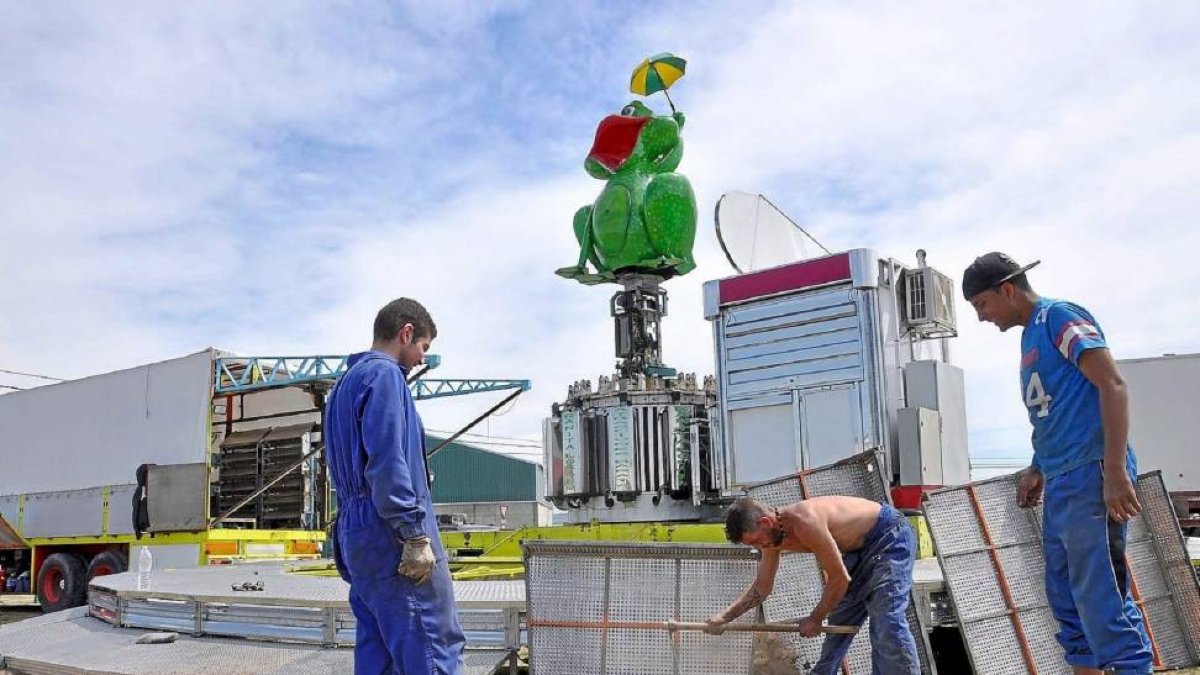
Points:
[(989, 271)]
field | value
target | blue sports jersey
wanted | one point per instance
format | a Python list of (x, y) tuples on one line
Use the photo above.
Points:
[(1064, 407)]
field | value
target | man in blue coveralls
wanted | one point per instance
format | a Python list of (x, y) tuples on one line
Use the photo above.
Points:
[(386, 539), (1079, 409)]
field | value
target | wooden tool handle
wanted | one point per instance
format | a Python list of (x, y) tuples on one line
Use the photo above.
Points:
[(758, 627)]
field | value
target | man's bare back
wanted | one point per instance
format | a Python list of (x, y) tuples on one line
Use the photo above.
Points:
[(848, 519)]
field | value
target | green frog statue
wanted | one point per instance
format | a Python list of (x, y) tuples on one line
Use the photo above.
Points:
[(644, 220)]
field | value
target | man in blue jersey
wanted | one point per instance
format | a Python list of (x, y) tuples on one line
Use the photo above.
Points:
[(1079, 408), (386, 542)]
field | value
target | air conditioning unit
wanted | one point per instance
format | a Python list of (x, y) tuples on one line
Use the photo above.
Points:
[(929, 303)]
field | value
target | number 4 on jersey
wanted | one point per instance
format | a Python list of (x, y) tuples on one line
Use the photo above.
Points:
[(1036, 396)]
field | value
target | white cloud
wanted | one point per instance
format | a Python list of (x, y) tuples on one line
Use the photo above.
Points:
[(158, 190), (141, 152), (1059, 133)]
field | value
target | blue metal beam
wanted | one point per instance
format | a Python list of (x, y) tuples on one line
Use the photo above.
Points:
[(425, 389), (237, 375)]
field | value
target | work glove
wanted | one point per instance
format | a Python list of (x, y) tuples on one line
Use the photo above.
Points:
[(416, 562)]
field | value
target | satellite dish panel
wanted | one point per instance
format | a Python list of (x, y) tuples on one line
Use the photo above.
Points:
[(756, 235)]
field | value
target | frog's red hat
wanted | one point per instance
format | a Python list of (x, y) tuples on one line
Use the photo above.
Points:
[(616, 138)]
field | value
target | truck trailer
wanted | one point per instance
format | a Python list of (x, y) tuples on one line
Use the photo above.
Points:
[(168, 456)]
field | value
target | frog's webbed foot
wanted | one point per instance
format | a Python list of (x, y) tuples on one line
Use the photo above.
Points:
[(582, 275)]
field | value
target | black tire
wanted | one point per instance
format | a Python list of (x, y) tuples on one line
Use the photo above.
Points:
[(62, 582), (107, 562)]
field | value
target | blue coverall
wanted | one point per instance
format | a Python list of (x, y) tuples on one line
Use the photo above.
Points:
[(375, 447)]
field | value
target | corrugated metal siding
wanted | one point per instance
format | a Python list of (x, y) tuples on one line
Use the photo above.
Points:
[(465, 474)]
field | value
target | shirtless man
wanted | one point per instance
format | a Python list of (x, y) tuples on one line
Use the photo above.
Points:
[(866, 550)]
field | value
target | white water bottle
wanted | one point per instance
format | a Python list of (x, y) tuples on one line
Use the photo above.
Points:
[(145, 562)]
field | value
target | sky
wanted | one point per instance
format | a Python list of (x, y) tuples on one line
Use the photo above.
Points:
[(262, 177)]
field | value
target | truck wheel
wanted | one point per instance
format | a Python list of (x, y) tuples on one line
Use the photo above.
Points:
[(105, 563), (62, 582)]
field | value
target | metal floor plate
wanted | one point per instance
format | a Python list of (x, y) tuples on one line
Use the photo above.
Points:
[(70, 643), (298, 608), (292, 609), (281, 587)]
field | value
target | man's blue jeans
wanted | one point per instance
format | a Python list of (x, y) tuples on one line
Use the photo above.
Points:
[(880, 586), (1087, 582)]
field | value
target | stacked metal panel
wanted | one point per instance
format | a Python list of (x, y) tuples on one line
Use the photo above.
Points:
[(991, 556), (601, 608), (239, 472), (285, 503), (251, 459), (1165, 585), (799, 582), (857, 476), (293, 608)]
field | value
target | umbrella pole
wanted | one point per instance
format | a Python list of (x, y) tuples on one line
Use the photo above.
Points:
[(669, 101)]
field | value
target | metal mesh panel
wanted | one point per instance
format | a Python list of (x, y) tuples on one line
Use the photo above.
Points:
[(1155, 596), (972, 582), (600, 587), (955, 529), (1007, 522), (564, 650), (636, 652), (798, 587), (921, 634), (701, 653), (973, 579), (1175, 568), (573, 591), (857, 476), (778, 492), (1169, 640), (858, 659), (1158, 564), (1143, 560), (630, 598), (992, 646), (1040, 627)]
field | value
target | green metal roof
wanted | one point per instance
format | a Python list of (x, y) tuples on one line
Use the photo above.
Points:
[(465, 473)]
